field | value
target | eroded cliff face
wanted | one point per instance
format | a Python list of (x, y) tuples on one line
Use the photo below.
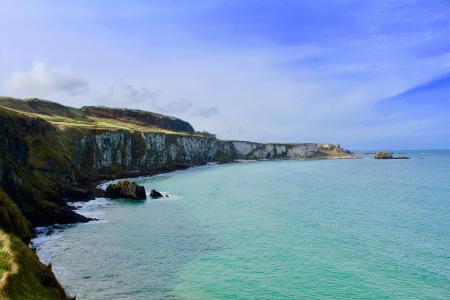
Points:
[(127, 152), (50, 153), (250, 150)]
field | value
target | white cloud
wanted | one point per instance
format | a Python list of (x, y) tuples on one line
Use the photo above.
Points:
[(122, 93), (43, 80), (316, 84), (181, 105), (127, 95), (205, 112)]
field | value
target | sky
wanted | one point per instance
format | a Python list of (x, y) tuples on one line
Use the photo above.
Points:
[(365, 74)]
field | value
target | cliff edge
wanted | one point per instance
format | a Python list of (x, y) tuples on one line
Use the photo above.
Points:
[(50, 153)]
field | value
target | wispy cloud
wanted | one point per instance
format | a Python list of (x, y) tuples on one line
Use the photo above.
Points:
[(283, 70), (122, 93), (42, 79), (206, 112), (178, 106)]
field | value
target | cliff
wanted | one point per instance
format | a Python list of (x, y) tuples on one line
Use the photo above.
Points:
[(50, 153)]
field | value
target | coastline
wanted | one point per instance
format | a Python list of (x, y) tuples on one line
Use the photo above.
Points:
[(308, 181), (46, 163), (42, 234), (101, 184)]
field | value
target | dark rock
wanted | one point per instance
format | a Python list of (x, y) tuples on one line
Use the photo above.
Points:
[(223, 162), (156, 194), (66, 215), (72, 193), (62, 214), (125, 189), (402, 157)]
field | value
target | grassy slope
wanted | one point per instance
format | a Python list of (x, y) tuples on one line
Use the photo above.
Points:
[(22, 275), (11, 218), (67, 117)]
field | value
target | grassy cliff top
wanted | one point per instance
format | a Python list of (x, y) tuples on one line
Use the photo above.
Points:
[(101, 118), (22, 275)]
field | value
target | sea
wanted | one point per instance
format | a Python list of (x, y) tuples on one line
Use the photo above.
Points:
[(313, 229)]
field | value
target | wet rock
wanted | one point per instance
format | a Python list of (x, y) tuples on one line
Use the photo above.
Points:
[(155, 194), (74, 193), (125, 189), (65, 215)]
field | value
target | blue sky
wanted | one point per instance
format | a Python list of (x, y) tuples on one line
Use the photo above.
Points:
[(366, 74)]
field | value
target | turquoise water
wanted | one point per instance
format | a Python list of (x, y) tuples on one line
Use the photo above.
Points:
[(329, 229)]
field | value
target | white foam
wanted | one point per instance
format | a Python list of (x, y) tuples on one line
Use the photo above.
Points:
[(90, 208)]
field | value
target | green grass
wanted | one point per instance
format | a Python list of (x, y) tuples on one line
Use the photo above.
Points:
[(91, 122), (22, 275), (11, 218)]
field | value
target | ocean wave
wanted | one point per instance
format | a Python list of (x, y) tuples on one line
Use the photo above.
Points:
[(91, 209)]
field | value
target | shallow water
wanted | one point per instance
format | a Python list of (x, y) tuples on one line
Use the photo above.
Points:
[(328, 229)]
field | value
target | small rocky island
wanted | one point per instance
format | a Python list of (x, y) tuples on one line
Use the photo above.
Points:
[(125, 189), (388, 155), (156, 195)]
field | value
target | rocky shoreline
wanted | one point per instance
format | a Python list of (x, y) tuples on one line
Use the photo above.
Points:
[(50, 154)]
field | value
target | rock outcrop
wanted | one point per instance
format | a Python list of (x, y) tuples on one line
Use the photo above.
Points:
[(388, 155), (155, 194), (383, 155), (125, 189)]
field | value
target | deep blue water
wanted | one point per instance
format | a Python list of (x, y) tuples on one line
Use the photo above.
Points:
[(327, 229)]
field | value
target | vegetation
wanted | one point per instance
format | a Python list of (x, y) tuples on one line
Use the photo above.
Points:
[(11, 218), (92, 123), (33, 164), (28, 194), (22, 275), (65, 117)]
